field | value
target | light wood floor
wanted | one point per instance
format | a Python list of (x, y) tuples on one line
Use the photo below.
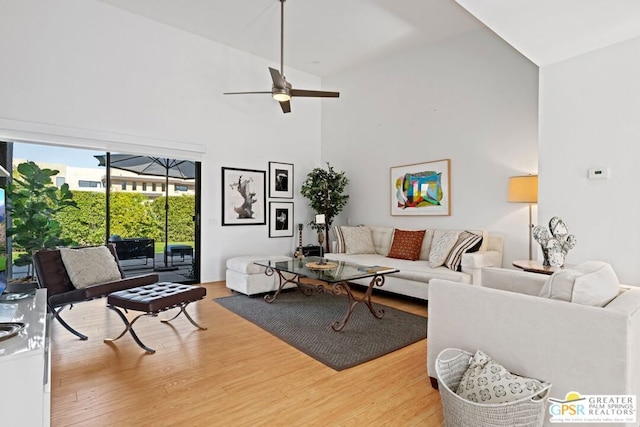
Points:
[(233, 374)]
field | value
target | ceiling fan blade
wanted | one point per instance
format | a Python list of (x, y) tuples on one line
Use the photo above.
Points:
[(314, 93), (286, 106), (278, 81), (246, 93)]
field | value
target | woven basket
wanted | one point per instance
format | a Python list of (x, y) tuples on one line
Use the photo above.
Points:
[(451, 364)]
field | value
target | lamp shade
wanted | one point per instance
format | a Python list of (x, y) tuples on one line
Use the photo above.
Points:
[(523, 189)]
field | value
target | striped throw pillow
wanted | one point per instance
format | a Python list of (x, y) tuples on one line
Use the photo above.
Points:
[(466, 242), (340, 247)]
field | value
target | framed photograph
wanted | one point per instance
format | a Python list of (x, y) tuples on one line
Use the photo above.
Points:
[(280, 219), (421, 188), (281, 180), (243, 197)]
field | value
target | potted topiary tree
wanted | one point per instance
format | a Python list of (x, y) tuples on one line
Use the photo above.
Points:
[(32, 202), (324, 188)]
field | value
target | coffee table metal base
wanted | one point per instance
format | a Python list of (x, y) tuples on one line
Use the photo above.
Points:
[(338, 288)]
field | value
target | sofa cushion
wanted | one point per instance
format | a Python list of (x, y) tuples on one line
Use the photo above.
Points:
[(590, 283), (357, 240), (487, 381), (406, 244), (443, 242), (426, 244), (418, 271), (381, 237), (90, 266), (467, 242)]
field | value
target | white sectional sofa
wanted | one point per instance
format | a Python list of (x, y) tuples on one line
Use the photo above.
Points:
[(414, 276)]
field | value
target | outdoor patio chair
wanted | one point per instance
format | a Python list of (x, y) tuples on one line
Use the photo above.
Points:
[(134, 248), (52, 275)]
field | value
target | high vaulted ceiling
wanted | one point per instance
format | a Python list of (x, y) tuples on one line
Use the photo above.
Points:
[(548, 31), (323, 37)]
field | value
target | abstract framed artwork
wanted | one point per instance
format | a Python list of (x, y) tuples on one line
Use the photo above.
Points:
[(421, 188), (280, 219), (281, 180), (243, 197)]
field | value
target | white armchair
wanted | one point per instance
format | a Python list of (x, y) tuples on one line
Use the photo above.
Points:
[(590, 350)]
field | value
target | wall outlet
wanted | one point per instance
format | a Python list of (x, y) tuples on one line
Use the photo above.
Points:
[(598, 173)]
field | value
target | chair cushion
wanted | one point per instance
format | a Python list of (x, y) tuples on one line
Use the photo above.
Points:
[(590, 283), (406, 244), (487, 381), (90, 266)]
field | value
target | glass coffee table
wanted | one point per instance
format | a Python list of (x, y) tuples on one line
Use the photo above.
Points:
[(335, 275)]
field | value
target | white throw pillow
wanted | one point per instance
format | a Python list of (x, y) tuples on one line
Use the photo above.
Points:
[(90, 266), (590, 283), (443, 242), (357, 240), (486, 381)]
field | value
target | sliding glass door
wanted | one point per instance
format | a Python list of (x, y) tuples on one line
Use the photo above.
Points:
[(148, 211)]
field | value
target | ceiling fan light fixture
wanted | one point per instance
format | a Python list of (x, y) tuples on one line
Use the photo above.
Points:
[(281, 95), (282, 91)]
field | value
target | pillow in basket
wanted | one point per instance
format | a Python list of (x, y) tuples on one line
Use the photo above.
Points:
[(486, 381)]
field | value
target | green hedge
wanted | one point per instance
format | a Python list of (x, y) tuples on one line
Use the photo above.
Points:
[(132, 215)]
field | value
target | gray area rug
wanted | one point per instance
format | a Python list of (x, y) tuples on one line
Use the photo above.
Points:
[(304, 322)]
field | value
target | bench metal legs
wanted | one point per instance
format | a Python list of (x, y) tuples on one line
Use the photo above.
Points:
[(129, 328), (129, 325), (183, 309)]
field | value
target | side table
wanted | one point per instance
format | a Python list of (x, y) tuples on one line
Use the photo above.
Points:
[(535, 267)]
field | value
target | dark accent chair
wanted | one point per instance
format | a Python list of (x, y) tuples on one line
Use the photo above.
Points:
[(53, 276)]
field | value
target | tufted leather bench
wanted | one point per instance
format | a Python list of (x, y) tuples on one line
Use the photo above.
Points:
[(52, 274), (151, 300)]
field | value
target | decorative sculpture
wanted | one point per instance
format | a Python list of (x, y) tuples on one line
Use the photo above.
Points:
[(299, 254), (555, 242)]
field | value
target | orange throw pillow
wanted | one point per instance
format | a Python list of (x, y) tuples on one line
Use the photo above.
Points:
[(406, 244)]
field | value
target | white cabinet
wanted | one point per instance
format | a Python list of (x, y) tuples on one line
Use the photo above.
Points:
[(25, 391)]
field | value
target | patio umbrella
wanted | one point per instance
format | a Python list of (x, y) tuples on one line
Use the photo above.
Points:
[(156, 166)]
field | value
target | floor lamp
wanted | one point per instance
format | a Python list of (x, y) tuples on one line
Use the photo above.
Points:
[(524, 189)]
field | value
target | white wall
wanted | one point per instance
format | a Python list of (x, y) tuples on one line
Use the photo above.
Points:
[(472, 99), (83, 73), (80, 72), (589, 117)]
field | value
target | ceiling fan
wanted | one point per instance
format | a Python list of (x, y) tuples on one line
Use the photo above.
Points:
[(282, 91)]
